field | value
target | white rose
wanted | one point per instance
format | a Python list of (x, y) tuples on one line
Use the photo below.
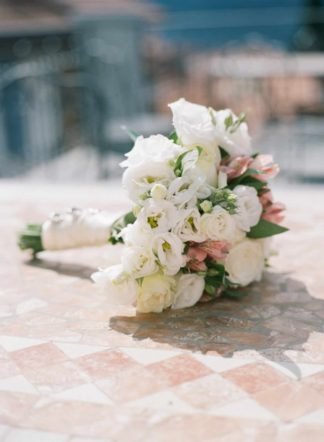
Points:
[(218, 225), (155, 148), (189, 289), (193, 124), (156, 292), (158, 215), (168, 249), (116, 284), (138, 261), (188, 226), (245, 262), (236, 140), (249, 208), (139, 179)]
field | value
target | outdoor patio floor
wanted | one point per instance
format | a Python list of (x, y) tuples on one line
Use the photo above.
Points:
[(73, 368)]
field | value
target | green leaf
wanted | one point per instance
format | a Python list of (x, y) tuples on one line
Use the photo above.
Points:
[(131, 133), (223, 152), (174, 137), (186, 161), (229, 121), (265, 228), (248, 180), (119, 225), (234, 294)]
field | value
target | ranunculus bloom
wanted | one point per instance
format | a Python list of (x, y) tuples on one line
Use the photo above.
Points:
[(236, 167), (198, 252), (271, 211), (265, 165)]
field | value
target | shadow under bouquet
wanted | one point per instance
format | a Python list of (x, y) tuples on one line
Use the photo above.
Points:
[(201, 222)]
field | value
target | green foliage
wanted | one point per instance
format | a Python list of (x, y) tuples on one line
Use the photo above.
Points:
[(224, 198), (174, 137), (119, 225), (265, 229), (247, 179), (223, 152)]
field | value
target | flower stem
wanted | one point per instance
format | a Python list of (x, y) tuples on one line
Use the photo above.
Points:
[(31, 238)]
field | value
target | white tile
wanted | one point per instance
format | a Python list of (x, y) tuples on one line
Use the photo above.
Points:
[(17, 383), (164, 400), (86, 439), (20, 435), (12, 343), (3, 431), (244, 408), (147, 356), (316, 417), (30, 305), (84, 393), (296, 371), (219, 364), (78, 350)]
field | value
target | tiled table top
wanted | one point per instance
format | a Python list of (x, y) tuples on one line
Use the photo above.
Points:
[(73, 368)]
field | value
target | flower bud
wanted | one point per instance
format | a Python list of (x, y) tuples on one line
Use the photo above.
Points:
[(158, 192), (206, 206)]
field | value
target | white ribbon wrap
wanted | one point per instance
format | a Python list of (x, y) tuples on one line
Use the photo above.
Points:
[(76, 228)]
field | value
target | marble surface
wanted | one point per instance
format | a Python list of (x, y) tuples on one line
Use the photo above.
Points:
[(73, 368)]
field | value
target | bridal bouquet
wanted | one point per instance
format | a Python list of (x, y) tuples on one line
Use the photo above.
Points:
[(201, 221)]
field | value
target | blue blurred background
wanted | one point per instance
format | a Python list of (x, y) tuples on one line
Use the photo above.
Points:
[(72, 72)]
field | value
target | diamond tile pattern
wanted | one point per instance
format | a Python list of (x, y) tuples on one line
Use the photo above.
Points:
[(74, 369)]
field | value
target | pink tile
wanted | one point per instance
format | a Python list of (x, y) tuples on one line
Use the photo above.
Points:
[(8, 368), (253, 378), (179, 369), (290, 400), (131, 384), (14, 406), (56, 377), (88, 420), (302, 433), (209, 391), (105, 363), (37, 356)]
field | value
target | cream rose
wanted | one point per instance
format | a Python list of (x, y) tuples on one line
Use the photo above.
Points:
[(189, 289), (139, 261), (119, 287), (218, 225), (245, 262), (249, 207), (156, 292)]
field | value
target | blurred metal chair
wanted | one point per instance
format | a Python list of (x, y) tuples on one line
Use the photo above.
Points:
[(115, 93)]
